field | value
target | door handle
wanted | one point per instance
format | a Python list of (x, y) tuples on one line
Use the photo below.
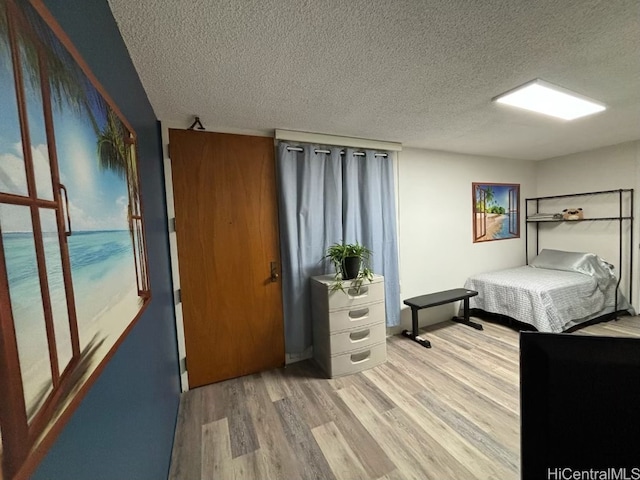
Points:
[(274, 272)]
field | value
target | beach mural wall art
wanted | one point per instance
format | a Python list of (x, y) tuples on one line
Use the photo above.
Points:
[(73, 263), (496, 211)]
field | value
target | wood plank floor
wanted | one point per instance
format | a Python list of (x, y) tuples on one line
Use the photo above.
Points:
[(449, 412)]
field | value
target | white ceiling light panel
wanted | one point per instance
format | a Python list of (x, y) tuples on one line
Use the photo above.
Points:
[(548, 99)]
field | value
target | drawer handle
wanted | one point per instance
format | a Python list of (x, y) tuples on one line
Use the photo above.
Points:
[(359, 314), (360, 357), (359, 336), (358, 292)]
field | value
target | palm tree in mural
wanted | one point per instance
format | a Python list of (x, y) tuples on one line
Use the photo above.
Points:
[(489, 197), (67, 83), (69, 86), (484, 199), (111, 146), (43, 55), (113, 152)]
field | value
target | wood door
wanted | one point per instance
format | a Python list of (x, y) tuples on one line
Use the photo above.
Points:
[(227, 234)]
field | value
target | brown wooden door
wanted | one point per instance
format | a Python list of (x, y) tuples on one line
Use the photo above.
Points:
[(227, 235)]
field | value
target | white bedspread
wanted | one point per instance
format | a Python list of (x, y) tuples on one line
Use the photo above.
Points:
[(550, 300)]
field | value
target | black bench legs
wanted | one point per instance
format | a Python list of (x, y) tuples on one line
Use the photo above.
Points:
[(414, 325), (465, 317)]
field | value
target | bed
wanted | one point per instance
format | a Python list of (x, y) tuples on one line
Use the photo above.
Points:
[(556, 292)]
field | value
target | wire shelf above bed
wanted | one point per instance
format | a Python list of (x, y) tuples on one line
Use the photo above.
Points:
[(616, 206), (560, 220)]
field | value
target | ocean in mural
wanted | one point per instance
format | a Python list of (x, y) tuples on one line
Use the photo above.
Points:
[(103, 275)]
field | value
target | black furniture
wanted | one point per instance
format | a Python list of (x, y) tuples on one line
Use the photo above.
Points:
[(579, 397), (434, 299)]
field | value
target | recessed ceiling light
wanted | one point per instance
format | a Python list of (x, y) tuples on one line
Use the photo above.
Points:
[(548, 99)]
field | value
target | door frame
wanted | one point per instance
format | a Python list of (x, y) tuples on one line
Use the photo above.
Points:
[(173, 251)]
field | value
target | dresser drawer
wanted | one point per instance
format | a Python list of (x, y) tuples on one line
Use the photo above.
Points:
[(352, 297), (355, 317), (354, 339), (369, 292), (354, 361)]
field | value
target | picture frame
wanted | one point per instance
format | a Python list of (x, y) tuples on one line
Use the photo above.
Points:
[(73, 258), (495, 210)]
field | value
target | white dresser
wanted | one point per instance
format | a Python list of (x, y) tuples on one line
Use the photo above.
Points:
[(349, 331)]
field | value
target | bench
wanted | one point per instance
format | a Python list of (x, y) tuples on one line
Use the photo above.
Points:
[(434, 299)]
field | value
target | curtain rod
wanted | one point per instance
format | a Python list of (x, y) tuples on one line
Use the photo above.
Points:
[(322, 139), (342, 152)]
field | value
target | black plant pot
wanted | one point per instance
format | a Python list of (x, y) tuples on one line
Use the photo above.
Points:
[(350, 268)]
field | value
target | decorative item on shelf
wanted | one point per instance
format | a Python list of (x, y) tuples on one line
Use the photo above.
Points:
[(351, 261), (572, 214), (545, 216)]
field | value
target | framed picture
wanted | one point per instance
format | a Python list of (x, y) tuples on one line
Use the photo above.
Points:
[(496, 211), (73, 261)]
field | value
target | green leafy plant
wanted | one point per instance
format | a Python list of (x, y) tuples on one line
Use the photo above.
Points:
[(338, 253)]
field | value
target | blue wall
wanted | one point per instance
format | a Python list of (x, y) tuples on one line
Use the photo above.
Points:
[(123, 429)]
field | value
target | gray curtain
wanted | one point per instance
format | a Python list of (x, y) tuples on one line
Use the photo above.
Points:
[(326, 198), (310, 212), (369, 217)]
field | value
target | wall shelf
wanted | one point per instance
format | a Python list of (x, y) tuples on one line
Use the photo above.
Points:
[(620, 211), (529, 220)]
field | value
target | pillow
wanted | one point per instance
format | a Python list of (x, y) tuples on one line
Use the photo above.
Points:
[(586, 263), (560, 260)]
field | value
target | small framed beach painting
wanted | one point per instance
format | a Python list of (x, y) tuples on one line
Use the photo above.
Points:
[(73, 259), (496, 211)]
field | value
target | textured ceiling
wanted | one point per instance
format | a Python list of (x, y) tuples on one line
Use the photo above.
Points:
[(417, 72)]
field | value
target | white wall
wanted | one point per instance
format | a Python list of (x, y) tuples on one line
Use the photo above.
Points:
[(435, 223), (608, 168), (605, 168)]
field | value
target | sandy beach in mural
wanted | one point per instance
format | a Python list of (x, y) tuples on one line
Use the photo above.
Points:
[(102, 331), (105, 330), (495, 225), (106, 297), (104, 279)]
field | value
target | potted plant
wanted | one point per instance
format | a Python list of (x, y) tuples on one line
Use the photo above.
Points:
[(351, 261)]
